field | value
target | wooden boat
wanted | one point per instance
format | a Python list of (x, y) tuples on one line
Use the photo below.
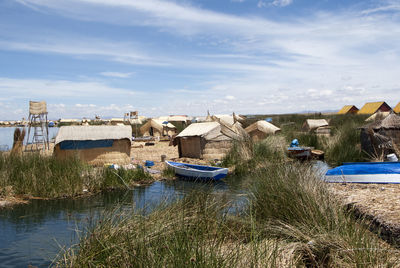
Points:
[(368, 172), (198, 172), (299, 152)]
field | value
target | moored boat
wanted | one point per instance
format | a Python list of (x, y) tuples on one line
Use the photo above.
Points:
[(299, 152), (365, 172), (198, 172)]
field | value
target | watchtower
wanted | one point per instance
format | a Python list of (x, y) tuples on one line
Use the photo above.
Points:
[(39, 123)]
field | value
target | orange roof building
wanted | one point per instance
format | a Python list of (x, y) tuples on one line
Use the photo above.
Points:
[(397, 108), (373, 107), (348, 109)]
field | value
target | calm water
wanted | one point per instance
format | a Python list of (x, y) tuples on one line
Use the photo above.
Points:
[(7, 134), (34, 233)]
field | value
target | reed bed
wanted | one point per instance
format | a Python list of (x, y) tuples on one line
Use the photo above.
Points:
[(35, 175), (290, 220)]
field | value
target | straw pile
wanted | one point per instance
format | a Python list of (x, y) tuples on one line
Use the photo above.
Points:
[(19, 136), (378, 202)]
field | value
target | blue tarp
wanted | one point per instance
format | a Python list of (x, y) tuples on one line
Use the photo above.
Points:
[(79, 145)]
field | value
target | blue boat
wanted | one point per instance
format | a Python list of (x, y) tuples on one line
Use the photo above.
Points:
[(198, 172), (365, 172)]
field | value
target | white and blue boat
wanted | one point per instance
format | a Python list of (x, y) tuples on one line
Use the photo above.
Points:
[(198, 172), (368, 172)]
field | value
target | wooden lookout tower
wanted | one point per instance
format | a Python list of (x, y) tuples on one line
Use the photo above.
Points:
[(38, 123)]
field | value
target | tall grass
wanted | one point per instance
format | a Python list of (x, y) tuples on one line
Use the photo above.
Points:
[(47, 177), (292, 220), (36, 175), (291, 203), (345, 145), (193, 232)]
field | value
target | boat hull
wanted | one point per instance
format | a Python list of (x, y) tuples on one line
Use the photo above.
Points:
[(299, 152), (377, 172), (198, 172)]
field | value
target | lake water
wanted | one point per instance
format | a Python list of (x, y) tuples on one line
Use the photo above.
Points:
[(7, 135), (34, 233)]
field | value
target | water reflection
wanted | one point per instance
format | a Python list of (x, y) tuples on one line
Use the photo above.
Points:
[(33, 233), (7, 134)]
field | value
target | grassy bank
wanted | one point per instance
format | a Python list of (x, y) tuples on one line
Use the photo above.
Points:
[(343, 145), (290, 219), (33, 175)]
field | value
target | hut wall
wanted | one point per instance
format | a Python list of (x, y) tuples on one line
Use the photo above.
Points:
[(366, 143), (385, 108), (190, 147), (257, 135), (119, 153), (216, 149), (393, 134)]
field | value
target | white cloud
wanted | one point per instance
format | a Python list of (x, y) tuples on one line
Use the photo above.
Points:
[(265, 62), (117, 74), (278, 3), (282, 3), (230, 97)]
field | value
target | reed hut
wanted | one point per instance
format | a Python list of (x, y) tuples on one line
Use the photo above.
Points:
[(158, 128), (381, 137), (377, 116), (96, 145), (261, 129), (208, 140), (348, 109), (315, 124)]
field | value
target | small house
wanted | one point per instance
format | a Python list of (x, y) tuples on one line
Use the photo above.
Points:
[(208, 140), (381, 137), (397, 108), (117, 121), (158, 128), (319, 126), (348, 109), (261, 129), (96, 145), (373, 107)]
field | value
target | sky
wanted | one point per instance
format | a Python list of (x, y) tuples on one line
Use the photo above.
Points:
[(164, 57)]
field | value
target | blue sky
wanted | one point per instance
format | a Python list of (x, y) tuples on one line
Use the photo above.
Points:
[(108, 57)]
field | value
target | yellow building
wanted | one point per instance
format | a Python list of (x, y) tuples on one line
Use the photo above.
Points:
[(397, 108), (348, 109), (373, 107)]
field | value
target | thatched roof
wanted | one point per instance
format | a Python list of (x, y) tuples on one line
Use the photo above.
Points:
[(37, 107), (390, 122), (263, 126), (157, 124), (213, 131), (348, 108), (377, 116), (312, 124), (84, 133), (372, 107), (174, 118), (397, 108)]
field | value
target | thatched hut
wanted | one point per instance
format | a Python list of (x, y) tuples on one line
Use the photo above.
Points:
[(381, 137), (209, 140), (377, 116), (313, 124), (348, 109), (261, 129), (158, 128), (373, 107), (96, 145)]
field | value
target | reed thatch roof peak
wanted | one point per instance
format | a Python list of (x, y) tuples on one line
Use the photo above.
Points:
[(392, 121)]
